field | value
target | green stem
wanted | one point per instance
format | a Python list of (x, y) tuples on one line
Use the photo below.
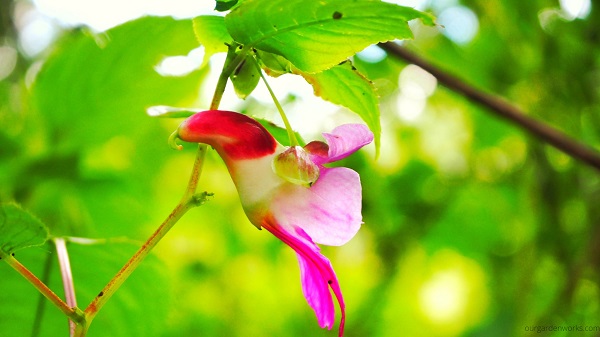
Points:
[(232, 61), (286, 122), (135, 260), (190, 190), (189, 200), (42, 288)]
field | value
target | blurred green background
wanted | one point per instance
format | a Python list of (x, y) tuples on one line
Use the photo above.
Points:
[(471, 226)]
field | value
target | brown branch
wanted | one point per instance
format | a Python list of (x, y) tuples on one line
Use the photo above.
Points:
[(501, 108)]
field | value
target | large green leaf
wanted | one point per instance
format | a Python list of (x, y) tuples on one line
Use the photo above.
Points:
[(345, 86), (100, 150), (138, 308), (19, 229), (317, 35), (95, 87), (211, 33)]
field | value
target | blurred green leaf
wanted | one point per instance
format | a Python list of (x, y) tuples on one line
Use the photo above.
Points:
[(19, 229), (144, 297), (169, 112), (345, 86), (93, 87), (211, 33), (318, 36), (280, 134)]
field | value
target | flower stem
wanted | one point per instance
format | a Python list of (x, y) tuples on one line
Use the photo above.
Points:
[(135, 260), (286, 122), (189, 200), (232, 61), (42, 288)]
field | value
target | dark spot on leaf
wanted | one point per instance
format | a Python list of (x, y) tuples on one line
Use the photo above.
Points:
[(329, 281), (337, 15), (101, 294)]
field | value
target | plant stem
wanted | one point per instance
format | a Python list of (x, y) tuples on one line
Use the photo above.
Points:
[(67, 277), (232, 61), (286, 122), (42, 288), (188, 201), (190, 190), (135, 260), (502, 108)]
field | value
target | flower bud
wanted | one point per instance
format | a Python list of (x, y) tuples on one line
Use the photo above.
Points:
[(295, 166)]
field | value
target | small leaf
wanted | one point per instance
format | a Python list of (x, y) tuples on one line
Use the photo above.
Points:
[(211, 33), (317, 35), (165, 111), (273, 64), (225, 5), (19, 229), (280, 134), (345, 86), (245, 77)]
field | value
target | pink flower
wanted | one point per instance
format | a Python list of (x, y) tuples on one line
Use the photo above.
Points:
[(299, 200)]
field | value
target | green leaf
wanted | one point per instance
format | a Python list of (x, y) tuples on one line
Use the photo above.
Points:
[(165, 111), (280, 134), (273, 64), (19, 229), (345, 86), (211, 33), (245, 77), (225, 5), (93, 88), (317, 35), (144, 297)]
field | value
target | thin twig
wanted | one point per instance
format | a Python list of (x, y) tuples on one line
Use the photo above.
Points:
[(42, 288), (502, 108), (67, 277)]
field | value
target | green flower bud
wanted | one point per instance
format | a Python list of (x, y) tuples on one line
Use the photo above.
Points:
[(295, 166)]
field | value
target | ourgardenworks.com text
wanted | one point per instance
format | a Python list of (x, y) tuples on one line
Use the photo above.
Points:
[(570, 328)]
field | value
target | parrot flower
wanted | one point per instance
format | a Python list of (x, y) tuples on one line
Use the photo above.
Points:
[(289, 192)]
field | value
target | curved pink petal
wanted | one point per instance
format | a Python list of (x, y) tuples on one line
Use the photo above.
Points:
[(316, 273), (343, 141), (329, 211)]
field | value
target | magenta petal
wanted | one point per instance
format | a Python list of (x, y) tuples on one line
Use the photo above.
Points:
[(329, 211), (346, 139), (316, 273)]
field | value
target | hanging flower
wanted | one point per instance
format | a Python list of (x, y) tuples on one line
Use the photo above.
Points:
[(289, 192)]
